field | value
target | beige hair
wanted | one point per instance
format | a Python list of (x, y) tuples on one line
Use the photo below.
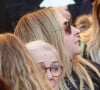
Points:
[(39, 44), (44, 25), (94, 44), (17, 66)]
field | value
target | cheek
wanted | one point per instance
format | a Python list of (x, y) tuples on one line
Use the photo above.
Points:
[(68, 41), (57, 80)]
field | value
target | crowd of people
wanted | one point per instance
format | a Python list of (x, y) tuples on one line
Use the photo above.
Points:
[(49, 50)]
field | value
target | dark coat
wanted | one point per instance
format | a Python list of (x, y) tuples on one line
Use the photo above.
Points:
[(77, 82), (93, 75)]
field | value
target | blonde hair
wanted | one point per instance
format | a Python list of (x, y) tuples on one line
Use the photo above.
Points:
[(94, 44), (83, 22), (86, 35), (17, 66), (44, 25)]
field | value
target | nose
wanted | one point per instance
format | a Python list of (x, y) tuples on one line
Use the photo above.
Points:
[(75, 31), (49, 74)]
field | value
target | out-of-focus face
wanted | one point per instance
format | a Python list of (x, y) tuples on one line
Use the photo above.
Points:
[(50, 63), (71, 35)]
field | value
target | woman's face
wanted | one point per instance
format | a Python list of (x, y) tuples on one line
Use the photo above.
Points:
[(49, 62), (71, 41), (71, 35)]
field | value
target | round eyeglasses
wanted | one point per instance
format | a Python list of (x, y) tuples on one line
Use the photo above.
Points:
[(56, 70)]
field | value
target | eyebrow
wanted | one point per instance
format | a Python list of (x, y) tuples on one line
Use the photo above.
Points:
[(54, 62)]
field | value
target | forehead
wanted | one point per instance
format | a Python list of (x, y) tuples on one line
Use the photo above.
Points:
[(46, 56)]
